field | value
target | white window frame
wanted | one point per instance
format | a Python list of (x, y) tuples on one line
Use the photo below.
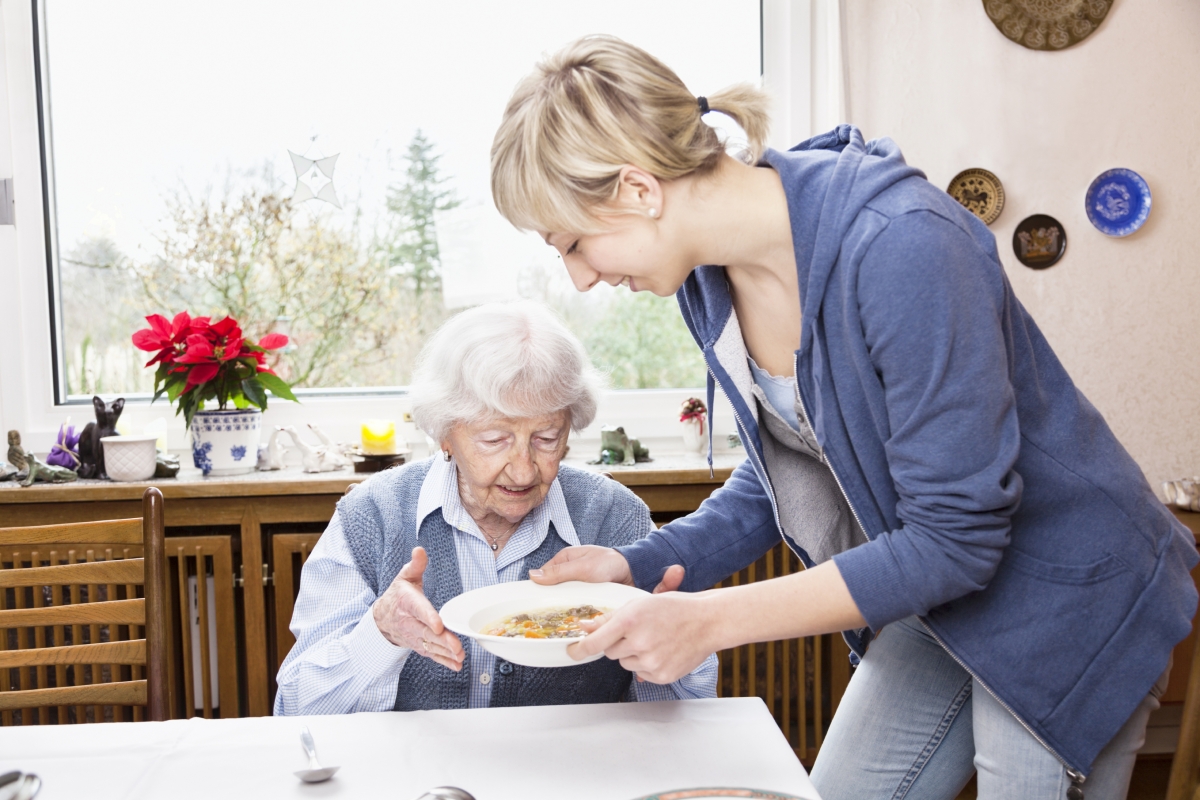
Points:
[(27, 401)]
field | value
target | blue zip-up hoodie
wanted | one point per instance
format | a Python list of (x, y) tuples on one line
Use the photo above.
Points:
[(998, 505)]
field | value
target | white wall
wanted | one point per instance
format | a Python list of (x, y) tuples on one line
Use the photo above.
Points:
[(1123, 314)]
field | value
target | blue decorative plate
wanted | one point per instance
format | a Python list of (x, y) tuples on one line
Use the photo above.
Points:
[(1118, 202)]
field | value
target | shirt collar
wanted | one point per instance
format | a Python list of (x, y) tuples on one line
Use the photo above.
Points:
[(439, 491)]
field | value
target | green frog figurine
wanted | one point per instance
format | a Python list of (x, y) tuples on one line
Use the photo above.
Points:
[(40, 471), (616, 447)]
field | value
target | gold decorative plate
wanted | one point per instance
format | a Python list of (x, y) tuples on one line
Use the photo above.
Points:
[(1047, 24), (980, 192)]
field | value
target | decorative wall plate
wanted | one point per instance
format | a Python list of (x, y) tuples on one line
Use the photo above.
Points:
[(1039, 241), (714, 792), (1047, 24), (1118, 202), (980, 192)]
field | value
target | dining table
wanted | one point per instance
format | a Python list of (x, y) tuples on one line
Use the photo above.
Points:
[(617, 751)]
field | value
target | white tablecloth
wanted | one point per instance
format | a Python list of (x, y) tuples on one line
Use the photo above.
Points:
[(607, 752)]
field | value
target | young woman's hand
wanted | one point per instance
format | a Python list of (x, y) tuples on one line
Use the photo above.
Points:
[(589, 563), (661, 638), (594, 564), (406, 618)]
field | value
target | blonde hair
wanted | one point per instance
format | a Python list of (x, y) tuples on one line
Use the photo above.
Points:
[(591, 108)]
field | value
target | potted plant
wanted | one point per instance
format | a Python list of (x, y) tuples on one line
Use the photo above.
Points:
[(200, 361), (692, 415)]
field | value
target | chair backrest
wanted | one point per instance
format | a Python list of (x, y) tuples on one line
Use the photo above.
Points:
[(289, 551), (1185, 771), (74, 632)]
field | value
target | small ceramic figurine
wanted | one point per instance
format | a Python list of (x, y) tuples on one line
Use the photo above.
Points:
[(166, 465), (334, 453), (45, 473), (16, 453), (616, 447), (275, 451), (1183, 493), (91, 454), (321, 458)]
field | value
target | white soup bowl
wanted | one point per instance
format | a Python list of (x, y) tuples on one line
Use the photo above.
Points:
[(472, 612)]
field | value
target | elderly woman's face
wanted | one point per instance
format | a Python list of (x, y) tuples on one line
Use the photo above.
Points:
[(506, 466)]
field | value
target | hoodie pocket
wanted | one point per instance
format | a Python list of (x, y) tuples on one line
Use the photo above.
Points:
[(1073, 574), (1039, 624)]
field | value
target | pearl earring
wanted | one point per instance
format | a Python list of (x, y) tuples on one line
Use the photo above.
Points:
[(653, 213)]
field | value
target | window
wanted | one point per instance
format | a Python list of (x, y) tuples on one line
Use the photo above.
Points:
[(321, 169)]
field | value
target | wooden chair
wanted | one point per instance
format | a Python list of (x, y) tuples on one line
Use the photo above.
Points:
[(1185, 771), (289, 551), (68, 600)]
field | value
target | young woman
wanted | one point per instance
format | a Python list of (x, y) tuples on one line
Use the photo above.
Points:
[(961, 507)]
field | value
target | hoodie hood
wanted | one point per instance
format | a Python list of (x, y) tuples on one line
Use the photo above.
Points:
[(840, 174)]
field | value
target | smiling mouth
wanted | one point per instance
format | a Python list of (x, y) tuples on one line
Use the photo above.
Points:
[(515, 491), (628, 283)]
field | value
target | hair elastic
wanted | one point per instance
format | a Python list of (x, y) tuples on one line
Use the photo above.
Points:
[(703, 103)]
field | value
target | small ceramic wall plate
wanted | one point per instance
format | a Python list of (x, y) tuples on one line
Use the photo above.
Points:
[(1039, 241), (980, 192), (702, 793), (1118, 202)]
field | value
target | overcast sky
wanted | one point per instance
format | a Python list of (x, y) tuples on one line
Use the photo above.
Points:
[(151, 96)]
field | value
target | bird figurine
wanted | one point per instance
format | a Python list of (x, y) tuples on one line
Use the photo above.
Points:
[(16, 453)]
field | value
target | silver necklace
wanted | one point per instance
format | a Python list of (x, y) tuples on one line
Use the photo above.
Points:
[(495, 539)]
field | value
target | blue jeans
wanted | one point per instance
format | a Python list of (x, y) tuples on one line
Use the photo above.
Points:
[(914, 725)]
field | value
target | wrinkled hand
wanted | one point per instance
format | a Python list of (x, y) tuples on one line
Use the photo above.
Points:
[(406, 618), (661, 638)]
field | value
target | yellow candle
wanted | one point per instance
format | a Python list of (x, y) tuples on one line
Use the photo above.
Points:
[(379, 437)]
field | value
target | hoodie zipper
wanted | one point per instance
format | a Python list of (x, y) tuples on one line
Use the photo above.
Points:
[(1076, 777)]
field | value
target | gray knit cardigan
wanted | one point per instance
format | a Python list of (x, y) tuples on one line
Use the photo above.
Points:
[(379, 523)]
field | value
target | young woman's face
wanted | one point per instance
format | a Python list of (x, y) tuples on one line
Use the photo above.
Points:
[(640, 247)]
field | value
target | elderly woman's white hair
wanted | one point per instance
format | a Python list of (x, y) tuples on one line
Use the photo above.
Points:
[(510, 359)]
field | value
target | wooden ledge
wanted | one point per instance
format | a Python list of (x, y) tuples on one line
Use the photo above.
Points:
[(190, 483)]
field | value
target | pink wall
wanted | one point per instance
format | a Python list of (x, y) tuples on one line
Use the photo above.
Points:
[(1123, 314)]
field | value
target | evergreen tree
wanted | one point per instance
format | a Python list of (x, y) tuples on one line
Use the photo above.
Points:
[(412, 250)]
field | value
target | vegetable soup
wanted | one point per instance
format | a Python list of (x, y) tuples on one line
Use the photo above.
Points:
[(550, 623)]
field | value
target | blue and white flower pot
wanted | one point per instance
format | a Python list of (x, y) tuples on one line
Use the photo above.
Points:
[(226, 442)]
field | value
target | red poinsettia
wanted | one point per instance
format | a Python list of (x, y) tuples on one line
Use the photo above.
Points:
[(200, 360)]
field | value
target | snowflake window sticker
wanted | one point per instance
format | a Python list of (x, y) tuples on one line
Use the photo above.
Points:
[(314, 178)]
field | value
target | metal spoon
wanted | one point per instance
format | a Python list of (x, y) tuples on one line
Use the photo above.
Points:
[(20, 786), (315, 772), (447, 793), (29, 787)]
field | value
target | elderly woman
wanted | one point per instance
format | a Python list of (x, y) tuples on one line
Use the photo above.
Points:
[(500, 387)]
